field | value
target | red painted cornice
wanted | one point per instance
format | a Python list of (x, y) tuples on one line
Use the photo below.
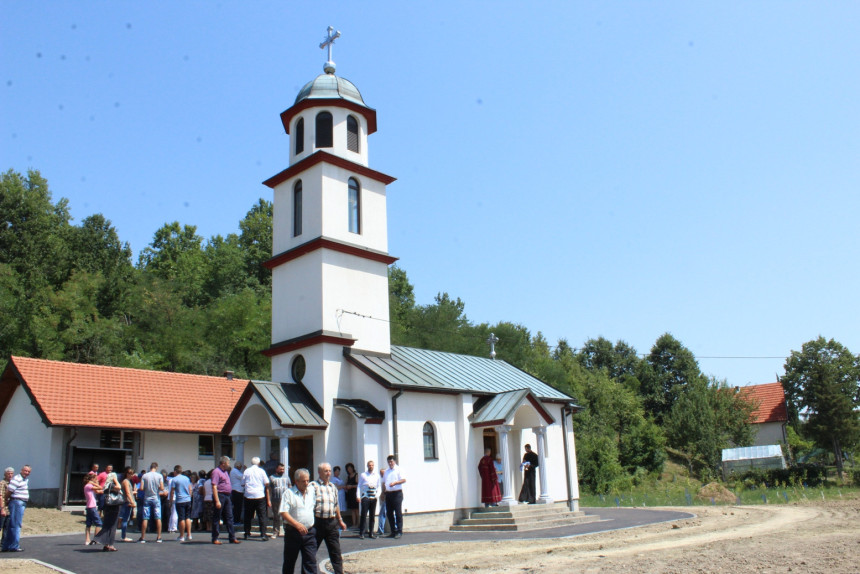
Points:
[(324, 156), (307, 341), (368, 113), (323, 243)]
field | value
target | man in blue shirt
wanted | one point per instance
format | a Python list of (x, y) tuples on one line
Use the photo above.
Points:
[(180, 493)]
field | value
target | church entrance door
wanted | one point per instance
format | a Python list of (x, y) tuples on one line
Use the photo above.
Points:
[(301, 455)]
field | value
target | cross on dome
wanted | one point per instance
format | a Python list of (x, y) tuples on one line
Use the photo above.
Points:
[(332, 35)]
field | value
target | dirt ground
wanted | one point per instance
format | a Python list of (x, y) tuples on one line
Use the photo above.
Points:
[(810, 537)]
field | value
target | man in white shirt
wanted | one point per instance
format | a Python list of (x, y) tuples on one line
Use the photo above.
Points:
[(254, 481), (297, 511), (17, 495), (394, 480), (367, 494)]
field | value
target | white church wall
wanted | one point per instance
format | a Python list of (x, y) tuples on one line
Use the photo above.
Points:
[(335, 209), (282, 210), (297, 299), (431, 484), (26, 440), (355, 300)]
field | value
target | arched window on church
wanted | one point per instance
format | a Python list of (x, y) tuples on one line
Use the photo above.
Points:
[(354, 206), (429, 441), (299, 136), (297, 209), (352, 134), (324, 129)]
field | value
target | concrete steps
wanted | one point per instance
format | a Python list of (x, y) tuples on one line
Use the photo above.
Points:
[(521, 518)]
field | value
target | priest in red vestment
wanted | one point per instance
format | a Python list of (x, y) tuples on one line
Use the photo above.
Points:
[(490, 492)]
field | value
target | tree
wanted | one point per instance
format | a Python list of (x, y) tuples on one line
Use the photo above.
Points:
[(619, 360), (822, 382), (664, 374), (256, 241), (707, 417), (33, 230), (176, 255)]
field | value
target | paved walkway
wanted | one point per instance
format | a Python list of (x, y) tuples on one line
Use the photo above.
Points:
[(200, 555)]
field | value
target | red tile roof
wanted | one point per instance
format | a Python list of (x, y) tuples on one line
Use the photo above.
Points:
[(772, 398), (72, 394)]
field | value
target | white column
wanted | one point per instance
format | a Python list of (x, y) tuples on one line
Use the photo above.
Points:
[(541, 444), (508, 477), (284, 437), (239, 448)]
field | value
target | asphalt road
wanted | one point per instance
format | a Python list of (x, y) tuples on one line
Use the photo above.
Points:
[(69, 553)]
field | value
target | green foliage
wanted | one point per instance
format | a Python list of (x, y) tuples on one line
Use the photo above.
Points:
[(804, 475), (823, 382), (667, 370), (707, 417)]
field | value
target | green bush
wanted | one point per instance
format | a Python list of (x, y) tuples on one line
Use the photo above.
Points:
[(800, 475)]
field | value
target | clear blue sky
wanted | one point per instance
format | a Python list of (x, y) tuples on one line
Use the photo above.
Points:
[(621, 169)]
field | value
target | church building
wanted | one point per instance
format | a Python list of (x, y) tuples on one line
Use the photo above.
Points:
[(435, 411), (341, 392)]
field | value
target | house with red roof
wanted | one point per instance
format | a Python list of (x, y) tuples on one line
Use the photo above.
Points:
[(770, 416), (61, 418)]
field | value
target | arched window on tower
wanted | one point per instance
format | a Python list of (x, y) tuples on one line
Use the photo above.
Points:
[(354, 206), (299, 136), (324, 129), (297, 209), (429, 441), (352, 134)]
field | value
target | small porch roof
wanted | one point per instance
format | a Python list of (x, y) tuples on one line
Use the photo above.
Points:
[(290, 404), (361, 409), (501, 408)]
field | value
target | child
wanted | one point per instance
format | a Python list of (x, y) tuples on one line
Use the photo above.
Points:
[(91, 489)]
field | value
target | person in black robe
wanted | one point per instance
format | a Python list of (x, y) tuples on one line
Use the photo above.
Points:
[(529, 466)]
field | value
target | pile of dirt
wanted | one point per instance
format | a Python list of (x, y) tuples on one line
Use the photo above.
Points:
[(717, 492)]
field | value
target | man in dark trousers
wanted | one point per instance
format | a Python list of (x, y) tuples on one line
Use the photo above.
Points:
[(327, 519), (297, 511), (529, 466), (221, 491), (394, 480)]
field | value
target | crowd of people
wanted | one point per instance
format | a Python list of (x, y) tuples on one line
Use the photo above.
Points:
[(305, 513)]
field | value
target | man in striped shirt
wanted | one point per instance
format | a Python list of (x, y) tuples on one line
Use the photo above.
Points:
[(327, 516), (18, 492)]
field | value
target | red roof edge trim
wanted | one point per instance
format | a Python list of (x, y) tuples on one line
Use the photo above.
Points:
[(308, 341), (369, 113), (324, 156), (323, 243)]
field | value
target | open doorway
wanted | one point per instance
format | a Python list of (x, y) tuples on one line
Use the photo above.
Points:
[(491, 441), (301, 455)]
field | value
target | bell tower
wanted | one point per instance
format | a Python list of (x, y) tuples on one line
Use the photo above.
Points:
[(330, 239)]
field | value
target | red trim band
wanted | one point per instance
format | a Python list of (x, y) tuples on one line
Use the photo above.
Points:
[(324, 156), (368, 113), (323, 243), (292, 345)]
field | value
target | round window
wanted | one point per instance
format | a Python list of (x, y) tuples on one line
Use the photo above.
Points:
[(298, 369)]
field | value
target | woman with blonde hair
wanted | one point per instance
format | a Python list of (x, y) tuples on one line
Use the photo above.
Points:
[(107, 534)]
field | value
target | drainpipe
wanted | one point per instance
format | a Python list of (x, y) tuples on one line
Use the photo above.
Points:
[(66, 466), (394, 425), (565, 410)]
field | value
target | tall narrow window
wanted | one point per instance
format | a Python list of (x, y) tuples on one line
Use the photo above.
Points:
[(429, 442), (352, 134), (324, 129), (297, 209), (299, 136), (354, 206)]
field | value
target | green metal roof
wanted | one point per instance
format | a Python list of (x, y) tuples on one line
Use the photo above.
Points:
[(329, 86), (361, 409), (290, 404), (420, 369)]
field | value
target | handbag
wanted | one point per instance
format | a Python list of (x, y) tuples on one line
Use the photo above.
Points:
[(113, 495)]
